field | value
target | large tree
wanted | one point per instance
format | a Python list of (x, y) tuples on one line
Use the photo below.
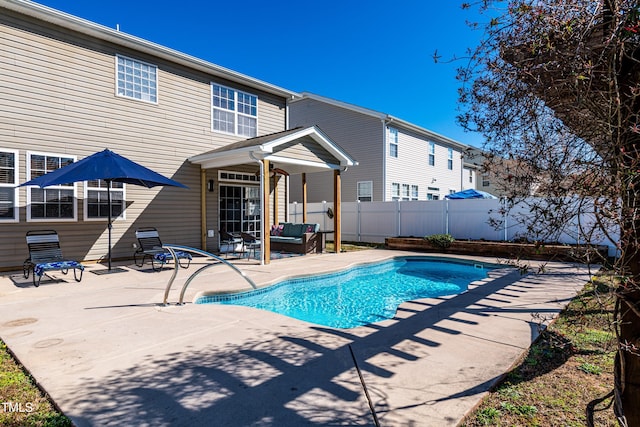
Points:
[(554, 86)]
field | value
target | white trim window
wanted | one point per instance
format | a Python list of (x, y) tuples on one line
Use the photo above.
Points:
[(55, 203), (470, 176), (414, 192), (393, 142), (233, 111), (96, 204), (136, 80), (395, 191), (8, 185), (450, 159), (432, 154), (406, 192), (365, 191)]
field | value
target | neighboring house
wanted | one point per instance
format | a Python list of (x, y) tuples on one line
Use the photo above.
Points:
[(70, 87), (397, 160)]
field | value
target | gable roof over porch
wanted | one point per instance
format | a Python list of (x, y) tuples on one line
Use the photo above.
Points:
[(299, 150)]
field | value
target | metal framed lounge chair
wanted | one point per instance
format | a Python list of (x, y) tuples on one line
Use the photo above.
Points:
[(150, 246), (45, 254), (231, 240), (250, 244)]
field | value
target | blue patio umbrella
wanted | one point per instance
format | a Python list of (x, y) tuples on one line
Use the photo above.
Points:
[(470, 194), (108, 166)]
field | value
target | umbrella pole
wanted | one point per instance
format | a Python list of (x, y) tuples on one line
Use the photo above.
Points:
[(109, 217)]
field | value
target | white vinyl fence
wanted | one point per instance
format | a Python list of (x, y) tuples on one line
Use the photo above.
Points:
[(471, 219)]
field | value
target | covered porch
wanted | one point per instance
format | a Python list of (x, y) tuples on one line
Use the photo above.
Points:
[(251, 181)]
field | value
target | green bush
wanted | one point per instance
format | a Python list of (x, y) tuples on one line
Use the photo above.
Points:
[(440, 240)]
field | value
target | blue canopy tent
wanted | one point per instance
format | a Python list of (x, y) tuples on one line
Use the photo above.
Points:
[(110, 167), (470, 194)]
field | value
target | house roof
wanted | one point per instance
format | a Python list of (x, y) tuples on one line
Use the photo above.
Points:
[(389, 119), (107, 34), (296, 150)]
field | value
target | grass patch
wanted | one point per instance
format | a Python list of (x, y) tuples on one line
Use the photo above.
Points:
[(569, 365), (21, 401)]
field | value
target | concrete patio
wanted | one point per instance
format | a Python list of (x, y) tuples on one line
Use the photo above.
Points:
[(109, 354)]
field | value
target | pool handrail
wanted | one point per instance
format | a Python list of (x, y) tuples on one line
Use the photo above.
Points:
[(172, 248)]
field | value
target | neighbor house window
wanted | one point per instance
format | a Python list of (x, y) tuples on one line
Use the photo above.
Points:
[(233, 111), (393, 142), (50, 203), (432, 154), (414, 192), (450, 159), (96, 204), (365, 191), (136, 79), (485, 180), (433, 193), (8, 183), (470, 176), (406, 192), (395, 191)]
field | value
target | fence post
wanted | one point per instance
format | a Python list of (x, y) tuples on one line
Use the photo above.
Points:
[(398, 219), (358, 221)]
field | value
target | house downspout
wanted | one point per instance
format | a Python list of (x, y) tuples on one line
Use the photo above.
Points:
[(262, 219), (385, 122)]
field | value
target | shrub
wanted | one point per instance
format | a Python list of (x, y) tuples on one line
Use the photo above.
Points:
[(440, 240)]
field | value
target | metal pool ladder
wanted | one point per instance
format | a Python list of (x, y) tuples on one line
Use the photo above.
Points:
[(173, 248)]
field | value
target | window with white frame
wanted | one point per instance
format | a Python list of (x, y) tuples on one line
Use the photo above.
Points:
[(433, 193), (393, 142), (96, 203), (365, 191), (485, 180), (414, 192), (470, 176), (432, 154), (233, 111), (450, 159), (136, 79), (406, 192), (8, 183), (54, 202), (395, 191)]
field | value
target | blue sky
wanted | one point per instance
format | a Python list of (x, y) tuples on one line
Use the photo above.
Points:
[(375, 54)]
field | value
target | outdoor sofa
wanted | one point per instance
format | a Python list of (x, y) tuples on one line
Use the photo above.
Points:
[(297, 238)]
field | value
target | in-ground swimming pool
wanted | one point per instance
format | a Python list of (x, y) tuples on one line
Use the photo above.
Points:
[(359, 295)]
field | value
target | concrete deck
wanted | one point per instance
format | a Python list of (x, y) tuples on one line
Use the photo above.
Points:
[(109, 354)]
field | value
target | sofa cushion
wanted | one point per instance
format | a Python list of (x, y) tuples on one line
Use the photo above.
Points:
[(282, 239), (293, 230), (311, 228)]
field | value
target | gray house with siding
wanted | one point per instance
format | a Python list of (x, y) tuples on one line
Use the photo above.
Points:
[(70, 87), (397, 160)]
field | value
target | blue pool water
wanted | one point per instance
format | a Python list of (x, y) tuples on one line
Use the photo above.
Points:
[(360, 295)]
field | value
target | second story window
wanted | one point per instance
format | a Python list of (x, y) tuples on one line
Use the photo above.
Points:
[(393, 142), (450, 159), (470, 176), (8, 183), (234, 112), (136, 79), (432, 154)]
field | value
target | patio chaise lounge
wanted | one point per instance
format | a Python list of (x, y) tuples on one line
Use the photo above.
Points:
[(150, 246), (45, 254)]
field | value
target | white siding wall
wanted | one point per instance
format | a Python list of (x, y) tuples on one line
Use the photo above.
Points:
[(412, 166)]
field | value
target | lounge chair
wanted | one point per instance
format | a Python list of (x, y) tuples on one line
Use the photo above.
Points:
[(250, 243), (45, 254), (231, 240), (150, 246)]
